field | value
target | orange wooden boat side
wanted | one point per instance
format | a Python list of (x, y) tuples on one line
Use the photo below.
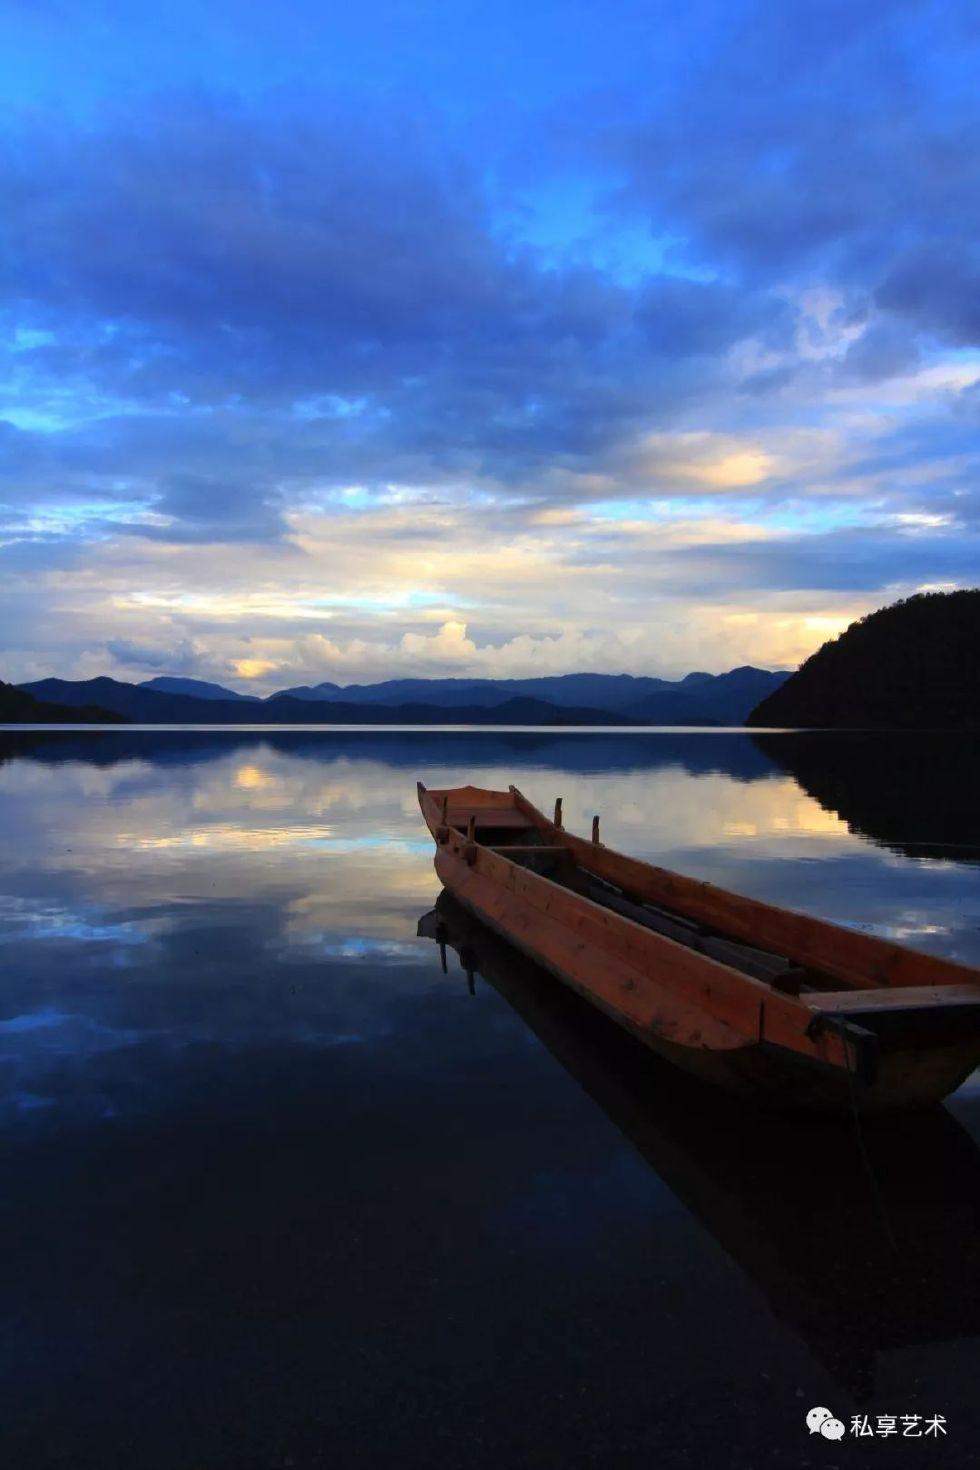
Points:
[(848, 1017)]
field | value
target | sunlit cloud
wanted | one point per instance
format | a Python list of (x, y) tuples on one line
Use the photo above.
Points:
[(704, 460)]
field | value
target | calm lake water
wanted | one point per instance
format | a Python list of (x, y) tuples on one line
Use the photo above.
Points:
[(277, 1191)]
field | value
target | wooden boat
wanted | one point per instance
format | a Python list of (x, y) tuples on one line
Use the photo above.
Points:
[(742, 993)]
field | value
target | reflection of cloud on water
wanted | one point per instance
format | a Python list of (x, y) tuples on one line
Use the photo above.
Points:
[(120, 1047), (328, 946), (267, 896), (253, 778), (272, 802), (39, 919), (337, 843), (907, 928), (255, 839), (61, 1033)]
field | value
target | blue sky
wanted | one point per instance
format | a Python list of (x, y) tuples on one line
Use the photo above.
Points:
[(481, 338)]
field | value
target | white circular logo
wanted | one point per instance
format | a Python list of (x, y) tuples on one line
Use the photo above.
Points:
[(822, 1421)]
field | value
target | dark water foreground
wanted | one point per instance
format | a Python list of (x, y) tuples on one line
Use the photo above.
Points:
[(275, 1190)]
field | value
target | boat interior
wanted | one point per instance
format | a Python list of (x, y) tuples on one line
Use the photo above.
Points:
[(524, 844)]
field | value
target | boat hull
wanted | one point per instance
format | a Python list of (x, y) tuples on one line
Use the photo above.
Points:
[(906, 1078), (722, 1027)]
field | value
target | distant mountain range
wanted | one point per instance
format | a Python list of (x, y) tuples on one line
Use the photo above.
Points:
[(196, 688), (563, 699), (695, 699)]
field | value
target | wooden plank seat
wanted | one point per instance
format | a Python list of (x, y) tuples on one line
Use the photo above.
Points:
[(497, 819), (908, 998), (529, 849)]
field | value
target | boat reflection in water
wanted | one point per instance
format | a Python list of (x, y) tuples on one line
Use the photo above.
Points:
[(862, 1239)]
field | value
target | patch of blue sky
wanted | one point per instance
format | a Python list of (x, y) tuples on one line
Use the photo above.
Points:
[(328, 406), (969, 356), (566, 222), (419, 598), (356, 497), (466, 56), (365, 499), (395, 601), (34, 420), (794, 516), (368, 497), (53, 410), (818, 517), (26, 338), (666, 509), (91, 521), (70, 517)]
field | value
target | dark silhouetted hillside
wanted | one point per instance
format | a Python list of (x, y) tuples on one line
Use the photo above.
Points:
[(17, 707), (197, 688), (914, 665)]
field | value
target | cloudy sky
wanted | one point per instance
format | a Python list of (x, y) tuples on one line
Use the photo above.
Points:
[(481, 336)]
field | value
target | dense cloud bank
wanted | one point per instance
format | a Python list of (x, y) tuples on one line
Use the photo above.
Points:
[(681, 309)]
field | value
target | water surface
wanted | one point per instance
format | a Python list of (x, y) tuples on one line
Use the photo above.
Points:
[(277, 1190)]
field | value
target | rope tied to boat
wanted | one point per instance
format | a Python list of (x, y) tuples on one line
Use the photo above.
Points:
[(838, 1024)]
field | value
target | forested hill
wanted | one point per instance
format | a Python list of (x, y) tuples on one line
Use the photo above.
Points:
[(18, 707), (914, 665)]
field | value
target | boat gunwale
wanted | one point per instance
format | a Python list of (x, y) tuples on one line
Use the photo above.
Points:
[(942, 971)]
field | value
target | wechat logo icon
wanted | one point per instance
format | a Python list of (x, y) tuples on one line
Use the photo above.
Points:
[(822, 1421)]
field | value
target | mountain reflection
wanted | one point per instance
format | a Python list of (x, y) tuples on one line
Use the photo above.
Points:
[(738, 756), (917, 793)]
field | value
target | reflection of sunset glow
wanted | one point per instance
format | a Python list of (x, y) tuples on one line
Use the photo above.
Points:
[(255, 839), (803, 817), (251, 778), (334, 848), (809, 817)]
